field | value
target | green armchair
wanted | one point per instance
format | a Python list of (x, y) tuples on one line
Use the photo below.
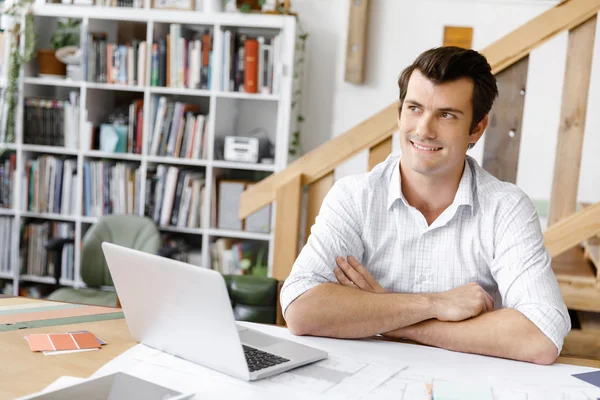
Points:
[(253, 298), (131, 231)]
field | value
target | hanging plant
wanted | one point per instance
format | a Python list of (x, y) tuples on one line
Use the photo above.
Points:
[(17, 58), (294, 148)]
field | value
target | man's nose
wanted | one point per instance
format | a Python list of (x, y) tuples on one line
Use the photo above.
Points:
[(426, 127)]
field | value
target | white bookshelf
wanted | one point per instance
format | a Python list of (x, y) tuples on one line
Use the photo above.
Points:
[(228, 113)]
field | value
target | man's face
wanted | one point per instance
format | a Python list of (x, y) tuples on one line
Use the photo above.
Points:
[(434, 125)]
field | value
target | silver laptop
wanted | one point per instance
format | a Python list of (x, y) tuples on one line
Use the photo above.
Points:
[(185, 311)]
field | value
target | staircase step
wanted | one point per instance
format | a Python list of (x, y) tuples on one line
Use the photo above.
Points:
[(572, 267)]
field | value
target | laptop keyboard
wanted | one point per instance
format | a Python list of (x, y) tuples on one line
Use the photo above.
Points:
[(258, 359)]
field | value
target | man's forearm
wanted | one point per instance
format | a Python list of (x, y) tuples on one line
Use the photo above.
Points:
[(504, 333), (336, 311)]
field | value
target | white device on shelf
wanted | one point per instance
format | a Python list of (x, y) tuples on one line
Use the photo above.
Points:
[(242, 149)]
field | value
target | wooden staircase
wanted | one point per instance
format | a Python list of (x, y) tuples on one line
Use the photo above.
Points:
[(568, 229)]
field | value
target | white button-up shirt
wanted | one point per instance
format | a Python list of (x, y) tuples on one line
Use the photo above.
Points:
[(490, 234)]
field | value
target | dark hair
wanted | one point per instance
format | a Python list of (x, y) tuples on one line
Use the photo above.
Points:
[(447, 64)]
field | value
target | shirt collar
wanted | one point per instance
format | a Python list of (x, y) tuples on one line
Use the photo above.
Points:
[(464, 194)]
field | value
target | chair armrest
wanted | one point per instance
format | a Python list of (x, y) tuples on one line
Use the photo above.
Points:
[(57, 243)]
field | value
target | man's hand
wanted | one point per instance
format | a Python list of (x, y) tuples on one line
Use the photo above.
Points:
[(351, 274), (462, 303), (458, 304)]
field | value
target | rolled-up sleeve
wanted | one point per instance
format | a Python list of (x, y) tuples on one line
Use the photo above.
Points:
[(523, 272), (336, 232)]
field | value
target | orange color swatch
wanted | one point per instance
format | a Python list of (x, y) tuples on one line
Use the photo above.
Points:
[(62, 341)]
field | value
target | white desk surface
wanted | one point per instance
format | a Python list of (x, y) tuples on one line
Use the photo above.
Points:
[(385, 370)]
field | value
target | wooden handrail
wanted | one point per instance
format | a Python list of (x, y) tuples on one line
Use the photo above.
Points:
[(379, 127)]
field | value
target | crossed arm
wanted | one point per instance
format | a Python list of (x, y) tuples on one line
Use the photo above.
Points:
[(462, 319), (348, 303)]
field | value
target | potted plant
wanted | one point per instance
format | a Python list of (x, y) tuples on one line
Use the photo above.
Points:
[(66, 34)]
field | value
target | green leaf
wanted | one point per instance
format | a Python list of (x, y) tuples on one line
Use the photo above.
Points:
[(300, 118)]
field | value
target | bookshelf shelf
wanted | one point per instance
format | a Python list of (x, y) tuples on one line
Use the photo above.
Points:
[(6, 275), (88, 220), (34, 148), (179, 91), (246, 166), (114, 86), (177, 161), (248, 96), (7, 212), (8, 146), (94, 181), (239, 234), (49, 216), (52, 82), (37, 279), (112, 156), (194, 231)]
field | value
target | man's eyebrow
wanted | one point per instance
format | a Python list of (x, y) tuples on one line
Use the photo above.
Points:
[(442, 109)]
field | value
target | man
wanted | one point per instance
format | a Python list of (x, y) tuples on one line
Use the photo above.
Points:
[(429, 246)]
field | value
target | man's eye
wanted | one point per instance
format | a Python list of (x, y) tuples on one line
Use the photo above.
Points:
[(447, 115)]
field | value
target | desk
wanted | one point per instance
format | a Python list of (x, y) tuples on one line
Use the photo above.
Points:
[(23, 372)]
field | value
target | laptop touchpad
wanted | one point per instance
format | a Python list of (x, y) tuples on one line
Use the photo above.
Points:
[(257, 339)]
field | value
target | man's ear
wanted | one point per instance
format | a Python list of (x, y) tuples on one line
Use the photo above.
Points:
[(479, 129)]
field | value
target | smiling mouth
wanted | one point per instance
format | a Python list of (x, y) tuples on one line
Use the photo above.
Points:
[(419, 147)]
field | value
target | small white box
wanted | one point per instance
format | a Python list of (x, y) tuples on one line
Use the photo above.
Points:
[(242, 149)]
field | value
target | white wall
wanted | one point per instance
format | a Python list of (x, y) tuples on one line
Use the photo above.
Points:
[(398, 31)]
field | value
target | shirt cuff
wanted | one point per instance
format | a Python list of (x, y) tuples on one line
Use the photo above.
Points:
[(551, 321), (292, 290)]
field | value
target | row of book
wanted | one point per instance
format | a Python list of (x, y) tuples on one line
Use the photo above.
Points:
[(110, 188), (48, 185), (51, 122), (182, 59), (35, 259), (124, 131), (7, 173), (174, 197), (250, 63), (106, 62), (177, 129), (6, 235), (239, 257)]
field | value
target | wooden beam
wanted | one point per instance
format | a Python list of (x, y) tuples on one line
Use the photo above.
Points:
[(287, 226), (572, 267), (572, 230), (580, 343), (356, 48), (581, 297), (323, 159), (379, 152), (316, 193), (519, 43), (572, 121), (503, 135)]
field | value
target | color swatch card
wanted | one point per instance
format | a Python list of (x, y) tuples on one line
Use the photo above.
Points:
[(593, 378), (63, 341), (448, 390)]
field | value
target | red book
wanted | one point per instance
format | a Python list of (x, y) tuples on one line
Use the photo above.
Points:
[(250, 65)]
